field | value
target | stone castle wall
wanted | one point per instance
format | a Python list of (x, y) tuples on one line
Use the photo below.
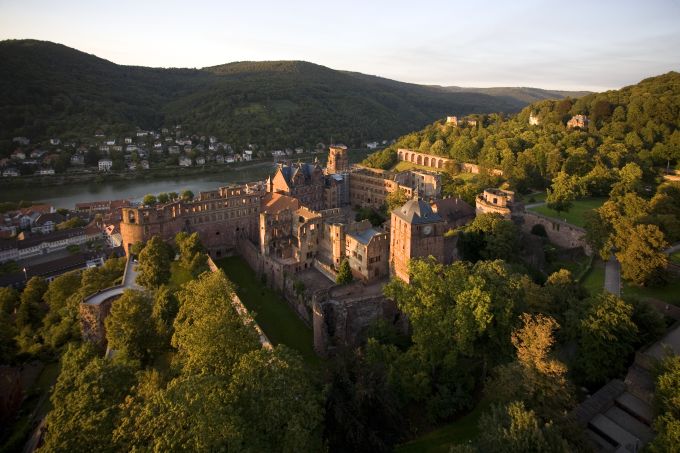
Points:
[(559, 233), (440, 162)]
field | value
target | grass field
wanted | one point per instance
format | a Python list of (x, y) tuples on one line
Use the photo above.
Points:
[(441, 439), (594, 279), (575, 215), (675, 257), (272, 313), (669, 293)]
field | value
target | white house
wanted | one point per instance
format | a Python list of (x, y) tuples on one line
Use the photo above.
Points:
[(200, 160), (110, 142), (219, 158), (77, 159), (185, 161), (248, 155), (46, 171), (21, 140), (128, 140), (55, 141), (372, 145), (105, 164), (10, 172)]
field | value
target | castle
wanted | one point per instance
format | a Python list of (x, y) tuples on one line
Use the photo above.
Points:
[(299, 215), (301, 222)]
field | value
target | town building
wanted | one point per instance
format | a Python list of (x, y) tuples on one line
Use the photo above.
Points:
[(105, 164), (367, 251), (533, 119), (416, 231)]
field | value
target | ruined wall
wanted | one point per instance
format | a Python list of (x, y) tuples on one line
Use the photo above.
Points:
[(339, 323), (92, 321), (559, 233)]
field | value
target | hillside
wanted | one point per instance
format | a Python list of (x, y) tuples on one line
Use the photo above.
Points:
[(51, 90), (521, 96), (636, 124)]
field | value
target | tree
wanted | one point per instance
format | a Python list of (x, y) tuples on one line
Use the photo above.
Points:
[(513, 428), (31, 309), (210, 336), (667, 402), (534, 377), (8, 347), (85, 400), (192, 254), (565, 189), (163, 197), (395, 200), (153, 269), (9, 299), (192, 413), (630, 180), (60, 289), (187, 195), (363, 412), (344, 273), (130, 328), (173, 196), (606, 335), (74, 222), (643, 259), (149, 200), (164, 311), (489, 236), (277, 407)]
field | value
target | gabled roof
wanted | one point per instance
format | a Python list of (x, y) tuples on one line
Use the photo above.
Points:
[(276, 202), (453, 209), (417, 212)]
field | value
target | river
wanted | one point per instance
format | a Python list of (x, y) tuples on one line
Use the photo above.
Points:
[(68, 195)]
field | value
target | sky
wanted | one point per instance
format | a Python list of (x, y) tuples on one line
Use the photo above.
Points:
[(572, 45)]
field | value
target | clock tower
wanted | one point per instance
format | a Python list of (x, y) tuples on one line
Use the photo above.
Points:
[(416, 231)]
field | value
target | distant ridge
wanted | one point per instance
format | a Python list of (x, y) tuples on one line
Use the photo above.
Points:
[(49, 89)]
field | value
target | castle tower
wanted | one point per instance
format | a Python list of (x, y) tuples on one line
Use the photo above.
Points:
[(338, 159), (415, 232)]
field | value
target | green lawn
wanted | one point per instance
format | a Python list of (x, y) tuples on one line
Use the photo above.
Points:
[(594, 279), (178, 275), (272, 313), (675, 257), (575, 215), (403, 166), (441, 439), (575, 267), (669, 293)]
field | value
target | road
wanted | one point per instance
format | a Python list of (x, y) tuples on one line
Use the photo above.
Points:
[(612, 276)]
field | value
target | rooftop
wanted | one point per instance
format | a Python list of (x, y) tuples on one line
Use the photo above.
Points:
[(417, 212), (365, 236)]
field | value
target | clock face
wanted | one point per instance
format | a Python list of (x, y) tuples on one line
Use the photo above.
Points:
[(427, 229)]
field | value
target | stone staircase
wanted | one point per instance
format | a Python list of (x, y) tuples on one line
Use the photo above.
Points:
[(619, 416)]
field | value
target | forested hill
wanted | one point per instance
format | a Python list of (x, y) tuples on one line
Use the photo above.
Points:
[(51, 90), (636, 124)]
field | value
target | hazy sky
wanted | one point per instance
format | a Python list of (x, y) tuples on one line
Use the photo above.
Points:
[(593, 45)]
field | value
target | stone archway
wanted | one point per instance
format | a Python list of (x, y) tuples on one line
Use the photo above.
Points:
[(419, 160), (426, 161)]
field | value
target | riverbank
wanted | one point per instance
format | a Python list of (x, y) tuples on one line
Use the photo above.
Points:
[(144, 175)]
